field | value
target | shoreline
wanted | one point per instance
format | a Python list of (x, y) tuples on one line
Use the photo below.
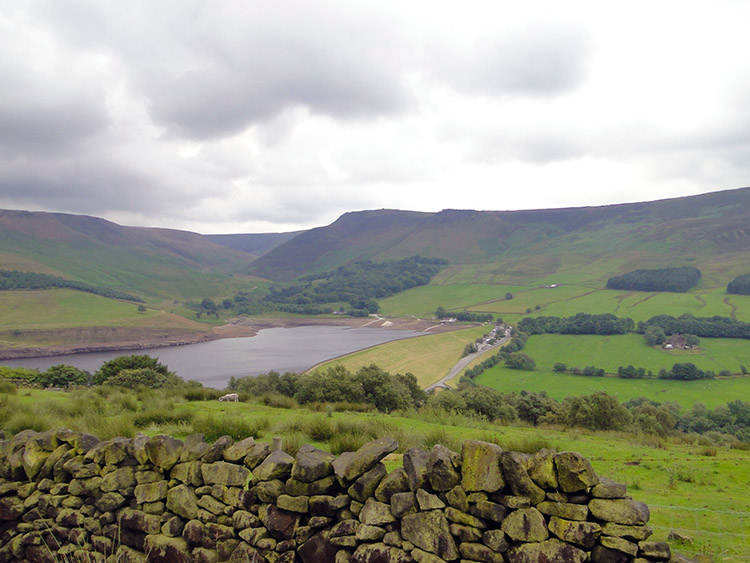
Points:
[(234, 328)]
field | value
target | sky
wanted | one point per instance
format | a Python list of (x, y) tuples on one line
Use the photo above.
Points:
[(235, 116)]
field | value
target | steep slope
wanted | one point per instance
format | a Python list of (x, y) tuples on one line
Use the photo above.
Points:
[(153, 263), (710, 231), (256, 244)]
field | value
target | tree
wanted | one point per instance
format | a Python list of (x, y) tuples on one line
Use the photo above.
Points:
[(508, 296), (560, 367), (141, 309), (519, 360), (136, 361), (654, 336), (133, 378), (62, 375)]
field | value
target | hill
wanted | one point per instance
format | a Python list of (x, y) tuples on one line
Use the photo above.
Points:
[(257, 244), (153, 263), (707, 231)]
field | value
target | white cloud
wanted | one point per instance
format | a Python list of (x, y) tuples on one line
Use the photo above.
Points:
[(255, 116)]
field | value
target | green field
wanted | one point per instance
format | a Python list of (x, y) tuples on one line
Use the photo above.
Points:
[(609, 352), (698, 490), (428, 357)]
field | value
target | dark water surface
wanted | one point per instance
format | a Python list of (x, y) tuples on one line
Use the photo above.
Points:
[(213, 363)]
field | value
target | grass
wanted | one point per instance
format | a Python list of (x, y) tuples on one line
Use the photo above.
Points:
[(608, 353), (689, 486), (428, 357)]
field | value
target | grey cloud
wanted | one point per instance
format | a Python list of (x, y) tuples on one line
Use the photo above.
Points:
[(209, 70), (541, 60)]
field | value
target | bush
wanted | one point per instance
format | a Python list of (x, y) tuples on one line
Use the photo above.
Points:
[(560, 367), (279, 401), (8, 387), (213, 427), (519, 360), (113, 367)]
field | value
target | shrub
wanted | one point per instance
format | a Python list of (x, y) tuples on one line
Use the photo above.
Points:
[(279, 401), (213, 427), (201, 394), (559, 367), (8, 387), (519, 360), (320, 429)]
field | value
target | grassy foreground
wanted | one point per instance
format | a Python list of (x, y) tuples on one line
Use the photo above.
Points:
[(690, 486), (428, 357)]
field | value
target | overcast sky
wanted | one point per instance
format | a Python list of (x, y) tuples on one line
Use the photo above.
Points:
[(261, 116)]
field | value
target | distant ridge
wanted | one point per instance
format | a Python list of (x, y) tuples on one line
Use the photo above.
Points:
[(255, 244), (666, 232)]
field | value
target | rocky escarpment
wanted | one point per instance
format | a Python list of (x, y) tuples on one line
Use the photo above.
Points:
[(66, 496)]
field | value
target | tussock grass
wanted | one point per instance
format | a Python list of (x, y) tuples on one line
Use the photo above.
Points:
[(8, 388), (213, 427)]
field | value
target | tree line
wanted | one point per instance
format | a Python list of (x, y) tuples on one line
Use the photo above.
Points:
[(580, 323), (359, 285), (709, 327), (739, 285), (464, 316), (678, 280), (14, 279)]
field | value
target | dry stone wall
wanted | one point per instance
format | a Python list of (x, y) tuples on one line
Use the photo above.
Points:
[(66, 496)]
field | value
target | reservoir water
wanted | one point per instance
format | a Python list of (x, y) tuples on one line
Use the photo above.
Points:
[(213, 363)]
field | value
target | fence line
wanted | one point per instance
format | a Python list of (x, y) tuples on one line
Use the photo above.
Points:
[(675, 507)]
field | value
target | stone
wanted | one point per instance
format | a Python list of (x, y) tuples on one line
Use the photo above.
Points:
[(163, 549), (489, 511), (193, 448), (606, 488), (397, 481), (428, 501), (33, 458), (376, 513), (256, 455), (312, 464), (224, 473), (280, 523), (479, 552), (269, 491), (465, 533), (317, 549), (517, 478), (574, 472), (429, 531), (415, 465), (163, 451), (456, 497), (214, 506), (495, 540), (327, 505), (188, 472), (320, 487), (632, 533), (379, 553), (203, 555), (151, 492), (173, 526), (369, 455), (620, 544), (109, 501), (550, 551), (526, 525), (480, 462), (182, 501), (601, 554), (620, 511), (584, 534), (541, 469), (365, 485), (138, 520), (565, 510), (369, 533), (238, 450), (656, 550), (466, 519), (278, 465), (443, 468), (403, 503), (293, 504), (424, 557), (215, 451)]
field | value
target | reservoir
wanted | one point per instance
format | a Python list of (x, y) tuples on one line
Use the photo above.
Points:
[(213, 363)]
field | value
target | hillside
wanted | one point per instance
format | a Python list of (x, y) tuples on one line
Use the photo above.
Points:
[(152, 263), (257, 244), (708, 231)]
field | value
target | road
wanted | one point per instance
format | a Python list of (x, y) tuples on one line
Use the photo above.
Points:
[(463, 362)]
